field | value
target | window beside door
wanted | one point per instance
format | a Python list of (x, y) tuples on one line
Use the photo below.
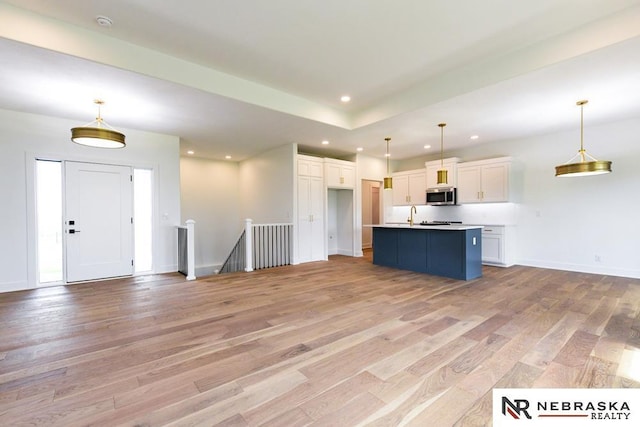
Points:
[(49, 221)]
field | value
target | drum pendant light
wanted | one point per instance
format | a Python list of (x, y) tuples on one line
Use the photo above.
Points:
[(587, 165), (442, 172), (388, 181), (98, 133)]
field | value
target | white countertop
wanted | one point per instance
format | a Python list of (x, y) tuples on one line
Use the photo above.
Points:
[(452, 227)]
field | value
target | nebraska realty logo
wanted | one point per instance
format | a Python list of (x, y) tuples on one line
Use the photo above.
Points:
[(566, 407)]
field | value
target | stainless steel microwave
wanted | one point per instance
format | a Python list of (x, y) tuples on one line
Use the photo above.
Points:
[(441, 196)]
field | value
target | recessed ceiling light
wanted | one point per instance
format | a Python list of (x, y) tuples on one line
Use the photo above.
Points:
[(191, 152), (359, 149), (474, 137), (227, 157), (104, 21), (345, 98), (426, 147), (387, 155), (325, 142)]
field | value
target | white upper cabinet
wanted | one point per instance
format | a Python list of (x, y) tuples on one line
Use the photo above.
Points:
[(484, 181), (450, 165), (309, 166), (409, 187), (340, 173)]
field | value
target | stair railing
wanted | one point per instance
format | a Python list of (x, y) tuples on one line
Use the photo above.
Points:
[(261, 246)]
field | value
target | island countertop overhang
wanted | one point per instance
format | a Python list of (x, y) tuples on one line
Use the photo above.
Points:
[(451, 227)]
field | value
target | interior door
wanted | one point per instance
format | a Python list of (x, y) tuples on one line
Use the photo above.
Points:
[(98, 221)]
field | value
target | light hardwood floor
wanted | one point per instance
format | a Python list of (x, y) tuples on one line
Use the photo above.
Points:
[(337, 343)]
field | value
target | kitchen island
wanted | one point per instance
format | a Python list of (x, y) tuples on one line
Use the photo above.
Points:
[(453, 251)]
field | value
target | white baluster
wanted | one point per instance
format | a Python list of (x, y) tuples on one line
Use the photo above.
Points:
[(248, 234), (191, 250)]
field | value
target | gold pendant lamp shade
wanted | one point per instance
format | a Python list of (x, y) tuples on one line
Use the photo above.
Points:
[(442, 172), (587, 165), (98, 133), (388, 181)]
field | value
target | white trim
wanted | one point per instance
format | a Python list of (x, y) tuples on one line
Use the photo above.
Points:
[(32, 250), (581, 268)]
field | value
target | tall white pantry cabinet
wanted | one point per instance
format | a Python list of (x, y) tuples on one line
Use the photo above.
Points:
[(310, 218)]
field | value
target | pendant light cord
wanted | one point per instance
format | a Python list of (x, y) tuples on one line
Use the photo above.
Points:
[(441, 147), (442, 125), (581, 103), (99, 118), (388, 156)]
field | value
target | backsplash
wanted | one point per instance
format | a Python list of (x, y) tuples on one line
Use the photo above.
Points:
[(480, 213)]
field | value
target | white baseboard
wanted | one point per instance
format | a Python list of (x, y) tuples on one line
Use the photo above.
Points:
[(14, 286), (207, 270), (345, 252), (581, 268), (170, 268)]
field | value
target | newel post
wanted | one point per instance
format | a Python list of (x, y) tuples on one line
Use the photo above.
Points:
[(248, 239), (191, 250)]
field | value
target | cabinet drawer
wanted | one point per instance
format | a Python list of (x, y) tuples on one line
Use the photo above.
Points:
[(493, 230)]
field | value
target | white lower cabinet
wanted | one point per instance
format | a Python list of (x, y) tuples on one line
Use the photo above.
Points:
[(497, 245)]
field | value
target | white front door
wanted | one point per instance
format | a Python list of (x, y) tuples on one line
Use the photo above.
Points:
[(98, 221)]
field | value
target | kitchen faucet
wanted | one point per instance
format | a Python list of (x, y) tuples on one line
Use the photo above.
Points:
[(411, 212)]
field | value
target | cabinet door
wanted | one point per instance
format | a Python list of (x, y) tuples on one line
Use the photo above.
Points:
[(310, 219), (400, 190), (316, 204), (348, 177), (412, 250), (417, 188), (446, 253), (495, 183), (340, 175), (469, 184), (304, 219), (492, 248), (309, 168), (334, 175), (385, 247)]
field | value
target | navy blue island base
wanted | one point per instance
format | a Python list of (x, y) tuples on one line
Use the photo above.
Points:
[(448, 251)]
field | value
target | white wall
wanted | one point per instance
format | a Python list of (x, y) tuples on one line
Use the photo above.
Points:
[(210, 195), (267, 186), (564, 223), (219, 195), (23, 137)]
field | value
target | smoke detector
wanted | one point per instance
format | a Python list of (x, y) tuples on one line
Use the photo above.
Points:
[(104, 21)]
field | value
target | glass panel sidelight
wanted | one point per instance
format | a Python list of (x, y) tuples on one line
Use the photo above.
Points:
[(143, 219), (49, 220)]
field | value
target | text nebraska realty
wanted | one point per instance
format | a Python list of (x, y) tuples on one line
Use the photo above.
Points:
[(598, 410)]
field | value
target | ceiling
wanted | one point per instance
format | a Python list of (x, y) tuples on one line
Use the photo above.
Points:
[(237, 78)]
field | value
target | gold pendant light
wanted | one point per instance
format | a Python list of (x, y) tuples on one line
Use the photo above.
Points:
[(388, 182), (98, 133), (442, 172), (588, 165)]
